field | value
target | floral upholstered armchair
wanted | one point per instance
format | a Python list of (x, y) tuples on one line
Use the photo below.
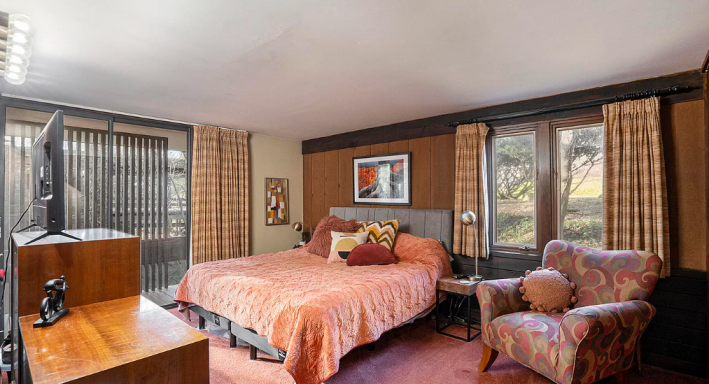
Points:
[(597, 338)]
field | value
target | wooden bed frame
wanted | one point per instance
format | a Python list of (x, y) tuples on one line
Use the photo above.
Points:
[(431, 223)]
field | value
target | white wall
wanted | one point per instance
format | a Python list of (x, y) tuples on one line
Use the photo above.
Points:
[(274, 157)]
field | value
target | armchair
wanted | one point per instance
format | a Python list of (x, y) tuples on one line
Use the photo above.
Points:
[(596, 339)]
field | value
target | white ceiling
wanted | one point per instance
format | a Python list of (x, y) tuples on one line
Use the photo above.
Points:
[(311, 68)]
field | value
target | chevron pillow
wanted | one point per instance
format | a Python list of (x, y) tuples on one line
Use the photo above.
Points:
[(380, 232)]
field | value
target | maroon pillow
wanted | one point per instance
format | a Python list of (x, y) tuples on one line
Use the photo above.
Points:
[(370, 254), (320, 244)]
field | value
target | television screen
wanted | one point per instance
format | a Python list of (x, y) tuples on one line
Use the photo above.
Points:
[(48, 176)]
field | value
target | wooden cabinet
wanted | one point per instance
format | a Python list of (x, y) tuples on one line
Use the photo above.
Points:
[(105, 265), (111, 334), (128, 340)]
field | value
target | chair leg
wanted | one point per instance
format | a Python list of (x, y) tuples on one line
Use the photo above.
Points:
[(638, 358), (622, 377), (489, 356)]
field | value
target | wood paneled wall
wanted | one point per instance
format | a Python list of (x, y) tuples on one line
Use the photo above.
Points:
[(683, 141), (328, 176)]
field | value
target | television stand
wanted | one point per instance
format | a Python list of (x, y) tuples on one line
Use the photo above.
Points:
[(46, 234)]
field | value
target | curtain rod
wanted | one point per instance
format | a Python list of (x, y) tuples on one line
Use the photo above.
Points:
[(113, 112), (585, 104)]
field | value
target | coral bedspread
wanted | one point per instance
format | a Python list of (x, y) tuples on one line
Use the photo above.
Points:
[(316, 311)]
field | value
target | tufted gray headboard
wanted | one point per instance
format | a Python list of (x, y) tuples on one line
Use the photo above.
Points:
[(433, 223)]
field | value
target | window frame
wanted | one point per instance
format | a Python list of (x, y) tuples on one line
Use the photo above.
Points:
[(507, 131), (494, 199), (546, 196)]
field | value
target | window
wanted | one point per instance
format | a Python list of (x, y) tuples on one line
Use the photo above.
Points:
[(545, 182), (579, 169), (514, 169)]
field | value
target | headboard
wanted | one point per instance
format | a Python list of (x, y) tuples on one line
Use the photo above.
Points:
[(433, 223)]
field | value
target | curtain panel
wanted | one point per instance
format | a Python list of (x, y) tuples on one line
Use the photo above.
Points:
[(470, 188), (634, 186), (220, 194)]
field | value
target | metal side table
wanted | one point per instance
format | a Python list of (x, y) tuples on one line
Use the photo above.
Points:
[(453, 287)]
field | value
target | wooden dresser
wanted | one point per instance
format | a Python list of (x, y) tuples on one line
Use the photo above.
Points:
[(128, 340), (105, 265), (111, 334)]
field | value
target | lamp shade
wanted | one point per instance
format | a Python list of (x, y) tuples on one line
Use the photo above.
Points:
[(468, 218)]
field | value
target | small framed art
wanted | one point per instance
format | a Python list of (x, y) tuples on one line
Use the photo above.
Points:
[(382, 179), (277, 201)]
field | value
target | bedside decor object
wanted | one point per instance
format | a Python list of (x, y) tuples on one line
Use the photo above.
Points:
[(382, 179), (298, 226), (322, 240), (370, 254), (276, 201), (52, 307), (343, 244), (381, 232), (468, 218), (547, 290)]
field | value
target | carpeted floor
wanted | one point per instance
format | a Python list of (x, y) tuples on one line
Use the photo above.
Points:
[(411, 354)]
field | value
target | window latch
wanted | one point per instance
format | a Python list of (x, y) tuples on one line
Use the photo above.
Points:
[(525, 248)]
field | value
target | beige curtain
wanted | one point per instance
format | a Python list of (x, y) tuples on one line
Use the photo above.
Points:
[(634, 186), (469, 188), (220, 194)]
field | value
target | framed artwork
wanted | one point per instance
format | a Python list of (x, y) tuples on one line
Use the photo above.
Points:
[(276, 201), (383, 179)]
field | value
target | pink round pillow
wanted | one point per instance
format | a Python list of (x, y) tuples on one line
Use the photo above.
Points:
[(370, 254), (547, 290)]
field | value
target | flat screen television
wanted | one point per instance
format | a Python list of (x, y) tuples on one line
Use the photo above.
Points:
[(48, 176)]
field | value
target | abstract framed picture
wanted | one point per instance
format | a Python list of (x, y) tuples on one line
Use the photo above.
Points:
[(277, 201), (382, 179)]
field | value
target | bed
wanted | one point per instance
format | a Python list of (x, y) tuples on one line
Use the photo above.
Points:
[(296, 307)]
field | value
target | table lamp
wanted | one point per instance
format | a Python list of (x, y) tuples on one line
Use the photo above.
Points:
[(468, 218), (298, 227)]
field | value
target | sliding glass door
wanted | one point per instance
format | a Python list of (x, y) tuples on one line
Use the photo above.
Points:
[(128, 174), (150, 198)]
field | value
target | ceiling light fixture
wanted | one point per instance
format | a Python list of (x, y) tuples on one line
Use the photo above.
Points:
[(16, 32)]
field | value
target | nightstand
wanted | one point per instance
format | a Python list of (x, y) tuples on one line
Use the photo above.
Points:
[(466, 293)]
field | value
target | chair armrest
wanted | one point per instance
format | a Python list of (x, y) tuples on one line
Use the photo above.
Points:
[(597, 341), (496, 298)]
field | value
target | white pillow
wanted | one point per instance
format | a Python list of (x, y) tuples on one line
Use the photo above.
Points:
[(343, 243)]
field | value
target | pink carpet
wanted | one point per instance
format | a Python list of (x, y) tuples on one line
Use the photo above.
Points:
[(411, 354)]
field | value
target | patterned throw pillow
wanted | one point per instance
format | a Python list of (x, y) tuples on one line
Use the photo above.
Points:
[(380, 232), (343, 244), (547, 290)]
